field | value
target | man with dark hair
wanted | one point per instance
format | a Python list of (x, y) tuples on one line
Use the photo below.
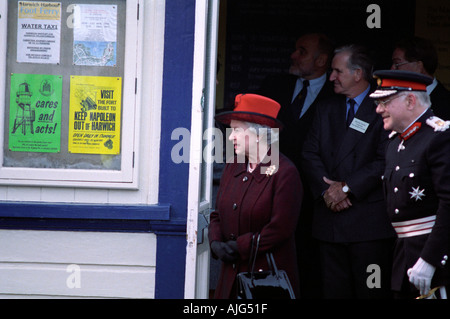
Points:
[(419, 55), (343, 159)]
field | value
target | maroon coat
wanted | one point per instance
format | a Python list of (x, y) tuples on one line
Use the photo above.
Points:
[(257, 203)]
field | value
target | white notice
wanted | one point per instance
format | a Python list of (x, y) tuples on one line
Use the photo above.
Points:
[(95, 35), (39, 32)]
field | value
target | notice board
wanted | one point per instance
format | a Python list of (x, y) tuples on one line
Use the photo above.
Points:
[(56, 51)]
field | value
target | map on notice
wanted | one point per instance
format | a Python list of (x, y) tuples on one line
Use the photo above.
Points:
[(94, 53), (95, 35)]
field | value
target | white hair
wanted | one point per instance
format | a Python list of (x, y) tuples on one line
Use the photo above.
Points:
[(423, 98), (271, 134)]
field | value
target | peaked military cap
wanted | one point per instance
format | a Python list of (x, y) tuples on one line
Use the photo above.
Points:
[(391, 82)]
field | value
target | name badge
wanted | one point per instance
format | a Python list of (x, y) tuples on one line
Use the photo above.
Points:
[(359, 125)]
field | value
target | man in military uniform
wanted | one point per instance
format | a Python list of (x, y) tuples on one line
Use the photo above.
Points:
[(416, 183)]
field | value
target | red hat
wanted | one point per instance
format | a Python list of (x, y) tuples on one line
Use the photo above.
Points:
[(253, 108)]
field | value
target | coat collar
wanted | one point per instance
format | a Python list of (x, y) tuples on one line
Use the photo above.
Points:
[(262, 171), (422, 119), (428, 113)]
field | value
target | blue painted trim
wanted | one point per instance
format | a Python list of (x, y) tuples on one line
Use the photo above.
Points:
[(170, 266), (84, 211), (105, 218), (175, 113)]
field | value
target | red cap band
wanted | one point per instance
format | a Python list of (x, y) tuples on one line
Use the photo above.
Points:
[(386, 83)]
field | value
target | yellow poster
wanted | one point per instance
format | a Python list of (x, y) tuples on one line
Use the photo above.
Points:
[(95, 115)]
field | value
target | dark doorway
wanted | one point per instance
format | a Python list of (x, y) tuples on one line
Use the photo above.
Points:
[(261, 35)]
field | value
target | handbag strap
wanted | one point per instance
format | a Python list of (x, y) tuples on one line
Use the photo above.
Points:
[(250, 259), (254, 256), (271, 262), (270, 259)]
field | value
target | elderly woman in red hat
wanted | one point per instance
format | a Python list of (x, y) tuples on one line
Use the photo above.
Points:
[(260, 194)]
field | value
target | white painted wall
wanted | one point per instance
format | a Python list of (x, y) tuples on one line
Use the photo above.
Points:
[(35, 264)]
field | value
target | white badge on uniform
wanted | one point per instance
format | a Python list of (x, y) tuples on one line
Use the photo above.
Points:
[(359, 125)]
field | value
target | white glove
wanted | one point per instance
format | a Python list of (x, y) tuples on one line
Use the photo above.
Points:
[(420, 275)]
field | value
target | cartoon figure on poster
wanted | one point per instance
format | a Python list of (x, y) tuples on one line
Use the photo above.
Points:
[(25, 116), (95, 115)]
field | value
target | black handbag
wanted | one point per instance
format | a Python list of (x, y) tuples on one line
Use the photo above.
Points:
[(271, 284)]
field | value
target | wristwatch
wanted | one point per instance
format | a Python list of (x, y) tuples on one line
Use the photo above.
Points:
[(345, 188)]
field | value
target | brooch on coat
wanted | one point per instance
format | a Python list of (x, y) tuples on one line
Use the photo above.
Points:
[(417, 194), (270, 170), (438, 124)]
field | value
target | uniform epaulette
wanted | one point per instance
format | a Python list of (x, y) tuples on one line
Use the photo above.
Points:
[(438, 124)]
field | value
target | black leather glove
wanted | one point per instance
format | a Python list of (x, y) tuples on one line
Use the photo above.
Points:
[(233, 246), (226, 252)]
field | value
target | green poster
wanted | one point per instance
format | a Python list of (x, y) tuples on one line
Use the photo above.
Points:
[(35, 113)]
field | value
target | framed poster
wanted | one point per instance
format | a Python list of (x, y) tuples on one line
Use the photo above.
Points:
[(95, 114), (35, 113)]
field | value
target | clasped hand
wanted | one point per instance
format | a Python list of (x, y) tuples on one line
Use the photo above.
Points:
[(227, 252), (334, 197)]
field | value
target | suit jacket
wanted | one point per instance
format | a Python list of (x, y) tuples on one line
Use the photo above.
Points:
[(423, 164), (281, 89), (345, 154), (440, 101), (256, 203)]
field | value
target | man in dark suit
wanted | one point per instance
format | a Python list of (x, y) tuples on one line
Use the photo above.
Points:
[(310, 61), (343, 160), (419, 55)]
